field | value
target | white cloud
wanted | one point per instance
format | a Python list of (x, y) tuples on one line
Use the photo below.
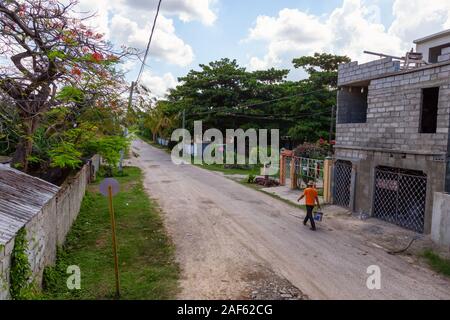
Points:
[(98, 7), (417, 18), (129, 22), (347, 30), (292, 31), (158, 85), (189, 10), (356, 28), (166, 45), (185, 10)]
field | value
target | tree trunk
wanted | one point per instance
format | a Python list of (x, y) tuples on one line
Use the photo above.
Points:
[(25, 146)]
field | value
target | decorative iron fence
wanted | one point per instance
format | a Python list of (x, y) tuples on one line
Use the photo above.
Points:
[(307, 169)]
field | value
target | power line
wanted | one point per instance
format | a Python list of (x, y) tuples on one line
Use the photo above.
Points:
[(265, 116), (268, 116), (149, 42), (284, 98), (268, 101)]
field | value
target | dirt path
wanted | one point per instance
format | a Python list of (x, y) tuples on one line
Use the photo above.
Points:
[(235, 242)]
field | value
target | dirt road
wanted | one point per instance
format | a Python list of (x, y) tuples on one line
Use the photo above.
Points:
[(235, 242)]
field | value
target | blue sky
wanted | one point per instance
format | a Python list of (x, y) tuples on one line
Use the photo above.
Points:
[(262, 33)]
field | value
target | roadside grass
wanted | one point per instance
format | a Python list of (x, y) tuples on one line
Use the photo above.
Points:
[(230, 171), (260, 189), (255, 170), (152, 143), (146, 255), (437, 263)]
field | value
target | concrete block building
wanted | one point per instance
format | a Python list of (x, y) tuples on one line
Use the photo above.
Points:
[(392, 143)]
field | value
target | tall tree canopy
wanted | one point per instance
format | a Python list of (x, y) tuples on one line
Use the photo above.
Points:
[(225, 95), (54, 60)]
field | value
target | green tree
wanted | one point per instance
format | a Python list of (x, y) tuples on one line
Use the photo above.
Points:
[(224, 95), (321, 67), (54, 58), (219, 92)]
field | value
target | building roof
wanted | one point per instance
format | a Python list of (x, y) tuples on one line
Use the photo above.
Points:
[(445, 33), (21, 198)]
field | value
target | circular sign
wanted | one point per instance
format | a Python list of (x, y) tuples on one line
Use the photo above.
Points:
[(106, 184)]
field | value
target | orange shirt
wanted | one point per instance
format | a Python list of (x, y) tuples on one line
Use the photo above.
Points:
[(310, 195)]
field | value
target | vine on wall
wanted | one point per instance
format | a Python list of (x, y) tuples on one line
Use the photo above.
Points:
[(20, 271)]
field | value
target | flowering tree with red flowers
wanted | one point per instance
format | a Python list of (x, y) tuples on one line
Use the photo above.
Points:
[(49, 57)]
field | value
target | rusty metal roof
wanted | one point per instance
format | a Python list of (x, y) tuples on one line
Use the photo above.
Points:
[(21, 197)]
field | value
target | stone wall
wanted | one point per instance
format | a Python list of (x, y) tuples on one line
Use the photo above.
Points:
[(48, 229), (5, 262)]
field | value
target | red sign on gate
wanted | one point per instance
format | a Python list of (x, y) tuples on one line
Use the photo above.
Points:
[(391, 185)]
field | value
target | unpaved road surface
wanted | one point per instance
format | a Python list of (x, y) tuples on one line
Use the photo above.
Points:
[(234, 242)]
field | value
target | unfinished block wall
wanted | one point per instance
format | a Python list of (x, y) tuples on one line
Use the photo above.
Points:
[(353, 72), (394, 113)]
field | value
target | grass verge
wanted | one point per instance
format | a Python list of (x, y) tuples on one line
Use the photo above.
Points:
[(437, 263), (230, 171), (212, 167), (146, 255), (153, 144), (260, 189)]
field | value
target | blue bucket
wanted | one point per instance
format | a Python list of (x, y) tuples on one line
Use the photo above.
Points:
[(318, 216)]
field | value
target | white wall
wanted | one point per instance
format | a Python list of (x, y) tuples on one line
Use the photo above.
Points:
[(440, 224), (48, 229), (425, 47)]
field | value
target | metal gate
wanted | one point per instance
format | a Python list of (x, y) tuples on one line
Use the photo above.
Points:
[(287, 172), (400, 197), (307, 169), (342, 183)]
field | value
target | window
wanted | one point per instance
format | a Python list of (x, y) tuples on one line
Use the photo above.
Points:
[(430, 102), (435, 52), (352, 105)]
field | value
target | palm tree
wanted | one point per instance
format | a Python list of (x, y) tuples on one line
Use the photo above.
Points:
[(159, 123)]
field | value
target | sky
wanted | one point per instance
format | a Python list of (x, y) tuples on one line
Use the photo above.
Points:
[(260, 34)]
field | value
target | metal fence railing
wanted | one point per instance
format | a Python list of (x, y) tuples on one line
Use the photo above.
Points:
[(307, 169)]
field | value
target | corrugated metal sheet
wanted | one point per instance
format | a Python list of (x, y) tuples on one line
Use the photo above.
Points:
[(21, 198)]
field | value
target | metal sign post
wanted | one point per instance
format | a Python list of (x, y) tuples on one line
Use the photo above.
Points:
[(109, 188)]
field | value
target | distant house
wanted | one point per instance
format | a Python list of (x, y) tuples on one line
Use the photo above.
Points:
[(392, 145)]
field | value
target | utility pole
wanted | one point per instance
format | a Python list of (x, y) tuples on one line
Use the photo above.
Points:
[(130, 102), (130, 99)]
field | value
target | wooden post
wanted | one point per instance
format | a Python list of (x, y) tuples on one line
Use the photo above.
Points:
[(292, 174), (328, 163), (282, 170), (114, 241)]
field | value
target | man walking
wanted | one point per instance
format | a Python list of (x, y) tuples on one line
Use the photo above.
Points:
[(312, 197)]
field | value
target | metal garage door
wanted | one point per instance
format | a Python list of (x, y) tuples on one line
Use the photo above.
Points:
[(400, 197), (342, 183)]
